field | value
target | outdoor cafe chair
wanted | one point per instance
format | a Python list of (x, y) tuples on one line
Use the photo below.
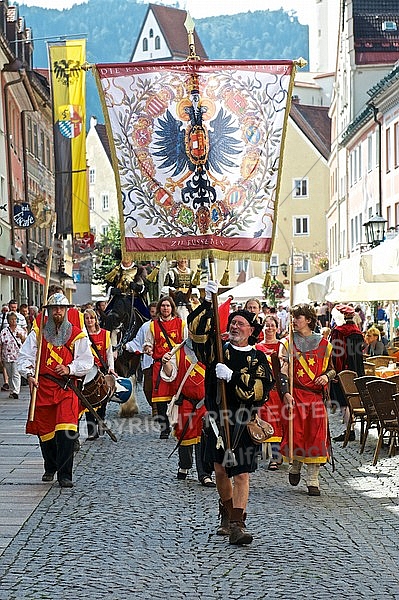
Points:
[(367, 403), (380, 360), (382, 392), (346, 381), (369, 367)]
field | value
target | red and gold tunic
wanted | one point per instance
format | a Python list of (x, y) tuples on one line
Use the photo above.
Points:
[(102, 340), (56, 408), (270, 411), (309, 412), (193, 391), (161, 390)]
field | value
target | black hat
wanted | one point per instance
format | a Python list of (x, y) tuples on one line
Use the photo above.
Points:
[(252, 320)]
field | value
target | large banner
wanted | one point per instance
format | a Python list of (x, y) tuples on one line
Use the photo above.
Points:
[(68, 81), (197, 153)]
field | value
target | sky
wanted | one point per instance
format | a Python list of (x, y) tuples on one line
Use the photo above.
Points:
[(206, 8)]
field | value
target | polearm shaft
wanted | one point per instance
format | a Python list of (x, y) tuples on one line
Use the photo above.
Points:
[(32, 405)]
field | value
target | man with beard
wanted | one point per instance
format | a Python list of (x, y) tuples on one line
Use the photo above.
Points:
[(248, 380), (65, 353)]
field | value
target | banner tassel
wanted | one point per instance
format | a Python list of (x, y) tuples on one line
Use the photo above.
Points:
[(153, 276), (196, 280), (224, 282)]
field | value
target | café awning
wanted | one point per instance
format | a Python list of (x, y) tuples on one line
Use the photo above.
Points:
[(18, 270)]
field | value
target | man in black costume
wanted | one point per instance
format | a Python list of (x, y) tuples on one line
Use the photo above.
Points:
[(248, 379)]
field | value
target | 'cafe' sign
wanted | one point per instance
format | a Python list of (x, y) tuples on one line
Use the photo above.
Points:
[(23, 216)]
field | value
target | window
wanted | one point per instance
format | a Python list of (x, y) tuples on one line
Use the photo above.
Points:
[(242, 265), (2, 188), (301, 263), (93, 229), (396, 214), (92, 175), (91, 203), (388, 149), (300, 225), (369, 153), (360, 164), (145, 45), (42, 148), (300, 188), (35, 141), (48, 154), (157, 42), (104, 229), (105, 201), (396, 144), (151, 33), (29, 140)]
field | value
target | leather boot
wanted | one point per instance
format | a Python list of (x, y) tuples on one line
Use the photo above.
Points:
[(238, 534), (225, 509)]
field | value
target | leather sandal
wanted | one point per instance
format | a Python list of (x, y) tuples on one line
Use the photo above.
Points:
[(207, 482), (273, 466)]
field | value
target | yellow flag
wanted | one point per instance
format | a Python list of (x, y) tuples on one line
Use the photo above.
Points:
[(68, 81)]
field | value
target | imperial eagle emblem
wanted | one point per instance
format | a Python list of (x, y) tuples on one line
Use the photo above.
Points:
[(66, 70), (199, 153)]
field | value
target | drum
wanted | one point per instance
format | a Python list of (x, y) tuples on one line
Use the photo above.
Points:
[(95, 388), (123, 390)]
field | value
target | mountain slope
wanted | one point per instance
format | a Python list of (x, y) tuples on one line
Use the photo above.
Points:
[(111, 29)]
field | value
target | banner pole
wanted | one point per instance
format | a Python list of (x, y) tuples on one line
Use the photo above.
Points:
[(229, 458), (291, 365)]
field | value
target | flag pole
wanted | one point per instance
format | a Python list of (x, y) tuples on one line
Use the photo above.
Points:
[(291, 365), (229, 458)]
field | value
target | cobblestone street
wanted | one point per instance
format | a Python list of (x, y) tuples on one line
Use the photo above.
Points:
[(130, 529)]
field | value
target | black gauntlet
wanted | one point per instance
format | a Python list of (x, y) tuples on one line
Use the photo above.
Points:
[(284, 388)]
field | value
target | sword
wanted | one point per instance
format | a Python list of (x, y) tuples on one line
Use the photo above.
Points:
[(215, 428)]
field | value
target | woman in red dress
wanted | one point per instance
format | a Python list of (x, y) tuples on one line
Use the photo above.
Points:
[(100, 340), (271, 410), (165, 332)]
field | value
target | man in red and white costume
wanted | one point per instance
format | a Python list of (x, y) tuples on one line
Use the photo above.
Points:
[(312, 371), (65, 352)]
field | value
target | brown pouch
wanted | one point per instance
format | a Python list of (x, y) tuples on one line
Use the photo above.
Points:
[(259, 431)]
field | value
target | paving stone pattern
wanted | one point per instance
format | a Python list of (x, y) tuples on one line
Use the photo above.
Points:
[(130, 529)]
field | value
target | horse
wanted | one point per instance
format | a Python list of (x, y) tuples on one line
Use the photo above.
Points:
[(182, 301), (124, 315)]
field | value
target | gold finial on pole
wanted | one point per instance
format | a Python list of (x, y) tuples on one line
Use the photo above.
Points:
[(189, 25), (300, 62)]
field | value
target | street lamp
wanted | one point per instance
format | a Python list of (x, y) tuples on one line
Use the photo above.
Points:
[(274, 271), (375, 230)]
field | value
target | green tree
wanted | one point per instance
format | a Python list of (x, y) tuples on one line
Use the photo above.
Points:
[(107, 252)]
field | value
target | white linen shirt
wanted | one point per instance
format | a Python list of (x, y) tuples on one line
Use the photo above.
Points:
[(83, 359)]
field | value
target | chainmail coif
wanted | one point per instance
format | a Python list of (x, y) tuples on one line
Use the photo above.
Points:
[(305, 343), (57, 337)]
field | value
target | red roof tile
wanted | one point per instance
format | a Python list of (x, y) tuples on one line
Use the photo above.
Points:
[(315, 123)]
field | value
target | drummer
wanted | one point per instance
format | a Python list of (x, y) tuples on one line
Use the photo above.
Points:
[(101, 347)]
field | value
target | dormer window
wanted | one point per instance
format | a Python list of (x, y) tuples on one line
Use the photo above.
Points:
[(389, 26), (145, 45), (151, 33)]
